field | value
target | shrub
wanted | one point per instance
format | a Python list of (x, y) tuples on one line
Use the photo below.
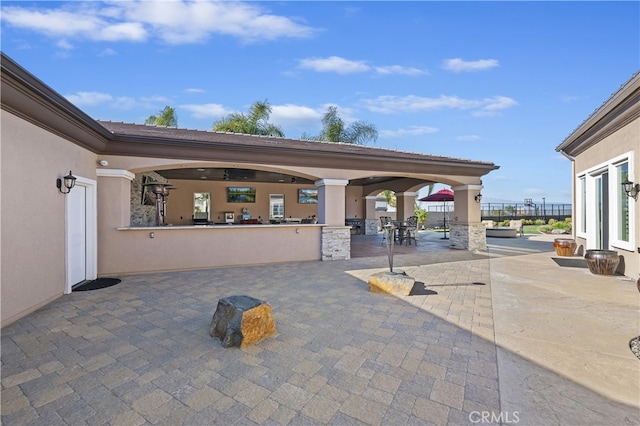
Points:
[(552, 221), (539, 222), (568, 219)]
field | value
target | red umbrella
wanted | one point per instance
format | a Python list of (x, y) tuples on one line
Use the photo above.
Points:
[(443, 195)]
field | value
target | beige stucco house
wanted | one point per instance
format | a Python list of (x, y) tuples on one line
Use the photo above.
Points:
[(605, 152), (104, 226)]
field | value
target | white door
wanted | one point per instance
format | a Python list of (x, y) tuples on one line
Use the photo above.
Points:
[(76, 235)]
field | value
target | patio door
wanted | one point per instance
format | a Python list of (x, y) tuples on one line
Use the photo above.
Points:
[(602, 211)]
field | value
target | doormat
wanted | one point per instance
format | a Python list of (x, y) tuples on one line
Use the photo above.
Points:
[(570, 262), (97, 284)]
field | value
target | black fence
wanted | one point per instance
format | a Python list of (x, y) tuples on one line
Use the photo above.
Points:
[(505, 211)]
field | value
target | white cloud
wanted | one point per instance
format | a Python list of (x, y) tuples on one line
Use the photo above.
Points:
[(468, 138), (174, 22), (398, 69), (398, 104), (108, 52), (89, 98), (341, 65), (492, 106), (206, 110), (194, 90), (411, 131), (64, 45), (334, 64), (459, 65)]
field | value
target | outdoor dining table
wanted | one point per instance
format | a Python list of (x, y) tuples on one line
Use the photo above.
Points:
[(401, 230)]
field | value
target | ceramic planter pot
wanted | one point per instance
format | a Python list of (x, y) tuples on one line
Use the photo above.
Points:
[(602, 262), (564, 246)]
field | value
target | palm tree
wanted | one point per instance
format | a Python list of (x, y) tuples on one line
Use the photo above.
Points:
[(334, 130), (167, 117), (254, 123)]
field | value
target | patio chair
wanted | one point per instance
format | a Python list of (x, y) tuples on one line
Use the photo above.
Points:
[(410, 230)]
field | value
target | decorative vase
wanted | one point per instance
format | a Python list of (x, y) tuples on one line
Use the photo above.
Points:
[(602, 262), (564, 246)]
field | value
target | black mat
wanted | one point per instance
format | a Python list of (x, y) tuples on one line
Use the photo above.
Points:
[(97, 284), (570, 262)]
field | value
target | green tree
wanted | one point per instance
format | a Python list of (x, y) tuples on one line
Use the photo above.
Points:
[(390, 197), (422, 214), (167, 117), (334, 130), (256, 122)]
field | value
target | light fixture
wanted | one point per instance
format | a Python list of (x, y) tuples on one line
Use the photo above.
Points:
[(632, 189), (478, 198), (69, 182), (293, 179), (226, 175)]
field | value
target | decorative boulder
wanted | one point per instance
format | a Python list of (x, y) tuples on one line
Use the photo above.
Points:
[(241, 321), (396, 283)]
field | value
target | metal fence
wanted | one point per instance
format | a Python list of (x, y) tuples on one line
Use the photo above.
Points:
[(507, 211)]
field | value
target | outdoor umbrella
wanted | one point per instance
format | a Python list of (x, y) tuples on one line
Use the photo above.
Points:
[(443, 195)]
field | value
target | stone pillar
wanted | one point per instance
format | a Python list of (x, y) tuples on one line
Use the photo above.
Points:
[(336, 237), (405, 205), (336, 243), (466, 229), (371, 222)]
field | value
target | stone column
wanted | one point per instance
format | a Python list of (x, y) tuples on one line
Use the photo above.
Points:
[(405, 205), (371, 222), (466, 229), (336, 236)]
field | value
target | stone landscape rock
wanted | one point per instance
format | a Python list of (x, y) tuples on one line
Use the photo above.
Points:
[(241, 321), (396, 283)]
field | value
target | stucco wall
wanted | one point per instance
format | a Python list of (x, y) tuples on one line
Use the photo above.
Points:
[(626, 139), (33, 213), (175, 248)]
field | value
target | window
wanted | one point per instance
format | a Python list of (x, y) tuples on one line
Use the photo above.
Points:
[(276, 206), (201, 205), (622, 174)]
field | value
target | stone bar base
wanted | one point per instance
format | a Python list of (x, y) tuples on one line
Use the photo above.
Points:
[(471, 236), (371, 226), (336, 243), (241, 321)]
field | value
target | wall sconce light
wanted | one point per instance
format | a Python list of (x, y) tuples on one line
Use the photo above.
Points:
[(293, 179), (69, 182), (632, 189), (225, 176), (478, 198)]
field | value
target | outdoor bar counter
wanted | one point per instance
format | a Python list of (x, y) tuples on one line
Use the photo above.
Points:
[(134, 250)]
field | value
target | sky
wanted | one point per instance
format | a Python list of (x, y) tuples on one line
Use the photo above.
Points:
[(504, 82)]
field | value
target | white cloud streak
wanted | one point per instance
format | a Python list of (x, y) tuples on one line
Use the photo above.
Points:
[(173, 22), (340, 65), (407, 104), (460, 65), (410, 132)]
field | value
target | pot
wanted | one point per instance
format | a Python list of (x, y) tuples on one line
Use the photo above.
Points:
[(564, 246), (602, 262)]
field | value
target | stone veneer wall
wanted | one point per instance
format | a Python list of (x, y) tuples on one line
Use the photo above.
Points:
[(142, 215), (468, 237), (336, 243), (371, 226)]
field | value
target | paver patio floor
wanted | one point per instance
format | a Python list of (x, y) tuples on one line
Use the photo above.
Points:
[(139, 352)]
